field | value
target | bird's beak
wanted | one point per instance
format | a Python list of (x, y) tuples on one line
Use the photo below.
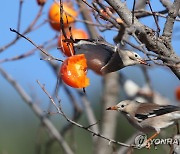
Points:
[(141, 61), (112, 108)]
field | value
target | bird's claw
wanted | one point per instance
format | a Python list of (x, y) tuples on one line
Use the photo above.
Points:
[(148, 145)]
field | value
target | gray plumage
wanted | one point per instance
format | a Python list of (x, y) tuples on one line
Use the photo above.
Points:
[(104, 58), (148, 116)]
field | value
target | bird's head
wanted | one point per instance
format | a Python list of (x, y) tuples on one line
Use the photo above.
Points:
[(126, 106), (120, 106), (133, 58)]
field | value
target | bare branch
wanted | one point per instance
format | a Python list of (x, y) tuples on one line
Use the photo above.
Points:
[(146, 35), (42, 50), (76, 109), (173, 12), (154, 16), (89, 112), (60, 111), (50, 127), (123, 150), (133, 90), (110, 98), (167, 4), (19, 15), (87, 16), (27, 54), (29, 28)]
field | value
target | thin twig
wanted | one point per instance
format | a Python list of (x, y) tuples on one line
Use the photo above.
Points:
[(154, 16), (19, 15), (25, 55), (29, 29), (86, 15), (60, 111), (89, 112), (42, 50)]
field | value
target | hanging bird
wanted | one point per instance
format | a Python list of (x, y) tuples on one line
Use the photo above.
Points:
[(104, 58), (148, 117)]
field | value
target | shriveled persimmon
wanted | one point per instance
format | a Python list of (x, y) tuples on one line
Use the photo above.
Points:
[(73, 71), (68, 16), (177, 93), (67, 48), (104, 13), (41, 2)]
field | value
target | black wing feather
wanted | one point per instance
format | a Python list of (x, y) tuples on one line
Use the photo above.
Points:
[(157, 112)]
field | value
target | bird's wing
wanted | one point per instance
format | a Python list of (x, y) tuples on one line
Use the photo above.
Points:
[(99, 39), (88, 40), (97, 54), (93, 46), (114, 64), (149, 110)]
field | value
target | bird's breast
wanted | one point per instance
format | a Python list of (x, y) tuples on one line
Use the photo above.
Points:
[(139, 125), (96, 57)]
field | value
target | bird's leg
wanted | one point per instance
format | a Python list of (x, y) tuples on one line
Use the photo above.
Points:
[(148, 144), (155, 146), (177, 126)]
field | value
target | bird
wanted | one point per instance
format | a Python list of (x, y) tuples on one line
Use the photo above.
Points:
[(104, 58), (148, 117)]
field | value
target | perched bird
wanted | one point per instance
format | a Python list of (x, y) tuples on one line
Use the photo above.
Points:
[(148, 117), (104, 58)]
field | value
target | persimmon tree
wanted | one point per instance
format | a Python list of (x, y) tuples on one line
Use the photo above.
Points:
[(130, 32)]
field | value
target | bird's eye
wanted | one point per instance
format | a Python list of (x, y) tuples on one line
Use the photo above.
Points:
[(122, 106), (136, 55)]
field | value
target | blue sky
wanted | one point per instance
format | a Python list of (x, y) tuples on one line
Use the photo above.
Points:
[(18, 125), (28, 70)]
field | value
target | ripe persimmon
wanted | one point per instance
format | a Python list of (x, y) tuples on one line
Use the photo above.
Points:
[(69, 15), (76, 34), (177, 93), (73, 71)]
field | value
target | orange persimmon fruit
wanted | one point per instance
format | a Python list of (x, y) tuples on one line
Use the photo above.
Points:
[(104, 14), (69, 15), (177, 93), (76, 34), (41, 2), (73, 71)]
